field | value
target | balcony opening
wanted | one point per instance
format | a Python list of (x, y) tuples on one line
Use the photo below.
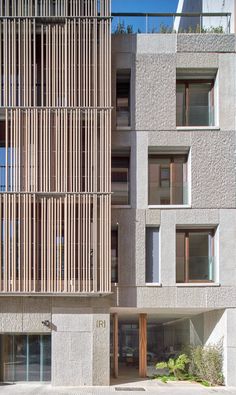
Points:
[(120, 179), (123, 98), (114, 255), (167, 179), (195, 255)]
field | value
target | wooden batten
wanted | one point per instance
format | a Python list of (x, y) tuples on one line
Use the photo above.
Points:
[(56, 102)]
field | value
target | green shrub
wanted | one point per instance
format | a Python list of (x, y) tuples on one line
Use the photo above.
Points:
[(206, 363), (176, 366)]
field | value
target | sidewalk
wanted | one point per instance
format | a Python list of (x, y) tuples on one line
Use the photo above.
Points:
[(147, 386)]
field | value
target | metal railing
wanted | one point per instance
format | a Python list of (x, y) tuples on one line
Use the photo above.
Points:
[(194, 22)]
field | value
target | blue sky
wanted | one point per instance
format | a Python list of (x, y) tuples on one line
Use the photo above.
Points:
[(144, 5), (158, 6)]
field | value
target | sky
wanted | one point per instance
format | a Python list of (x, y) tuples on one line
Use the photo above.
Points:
[(158, 6), (144, 5)]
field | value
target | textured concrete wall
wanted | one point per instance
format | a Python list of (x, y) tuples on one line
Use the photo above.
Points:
[(80, 330)]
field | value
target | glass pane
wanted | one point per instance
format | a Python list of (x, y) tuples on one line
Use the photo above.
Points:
[(155, 340), (200, 109), (128, 346), (180, 257), (200, 256), (120, 181), (180, 105), (46, 358), (26, 358), (167, 180), (152, 255), (34, 358), (114, 256), (20, 357)]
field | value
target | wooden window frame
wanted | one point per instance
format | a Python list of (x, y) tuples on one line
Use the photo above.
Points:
[(186, 251), (186, 83), (172, 158)]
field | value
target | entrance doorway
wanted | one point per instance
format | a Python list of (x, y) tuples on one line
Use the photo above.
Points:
[(25, 358), (139, 341), (128, 346)]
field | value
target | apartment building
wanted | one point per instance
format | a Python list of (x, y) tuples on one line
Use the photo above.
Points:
[(118, 195)]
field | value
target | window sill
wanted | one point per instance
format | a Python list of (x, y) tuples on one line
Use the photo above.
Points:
[(197, 285), (121, 206), (123, 128), (185, 128), (153, 285), (170, 206)]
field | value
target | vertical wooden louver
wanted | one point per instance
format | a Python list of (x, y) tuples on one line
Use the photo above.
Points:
[(55, 110)]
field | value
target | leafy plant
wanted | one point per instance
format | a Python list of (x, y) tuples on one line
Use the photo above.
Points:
[(122, 29), (206, 363), (176, 366)]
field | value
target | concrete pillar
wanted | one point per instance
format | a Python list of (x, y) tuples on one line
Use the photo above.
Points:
[(80, 346), (231, 348), (219, 325)]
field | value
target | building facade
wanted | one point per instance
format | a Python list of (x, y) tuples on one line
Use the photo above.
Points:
[(118, 226)]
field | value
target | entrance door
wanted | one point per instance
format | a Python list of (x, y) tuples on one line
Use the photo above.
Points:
[(25, 358)]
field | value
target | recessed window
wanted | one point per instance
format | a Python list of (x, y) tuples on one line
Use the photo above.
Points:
[(195, 256), (114, 255), (152, 255), (167, 179), (123, 98), (195, 103), (120, 180)]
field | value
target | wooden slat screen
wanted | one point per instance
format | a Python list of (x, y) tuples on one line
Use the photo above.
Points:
[(55, 110)]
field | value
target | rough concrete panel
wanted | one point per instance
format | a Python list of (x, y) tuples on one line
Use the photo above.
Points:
[(11, 311), (156, 43), (213, 169), (227, 91), (227, 247), (67, 367), (231, 348), (141, 168), (77, 320), (36, 310), (215, 326), (153, 217), (169, 139), (206, 297), (155, 105), (231, 325), (197, 60), (231, 368), (140, 247), (167, 240), (205, 42), (101, 349), (197, 217)]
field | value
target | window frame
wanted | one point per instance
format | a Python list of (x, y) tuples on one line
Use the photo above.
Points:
[(156, 227), (186, 231), (186, 82), (171, 158)]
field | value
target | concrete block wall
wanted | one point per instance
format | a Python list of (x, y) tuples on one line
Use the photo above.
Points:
[(154, 60)]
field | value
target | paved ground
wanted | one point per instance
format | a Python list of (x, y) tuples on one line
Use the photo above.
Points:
[(150, 386)]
